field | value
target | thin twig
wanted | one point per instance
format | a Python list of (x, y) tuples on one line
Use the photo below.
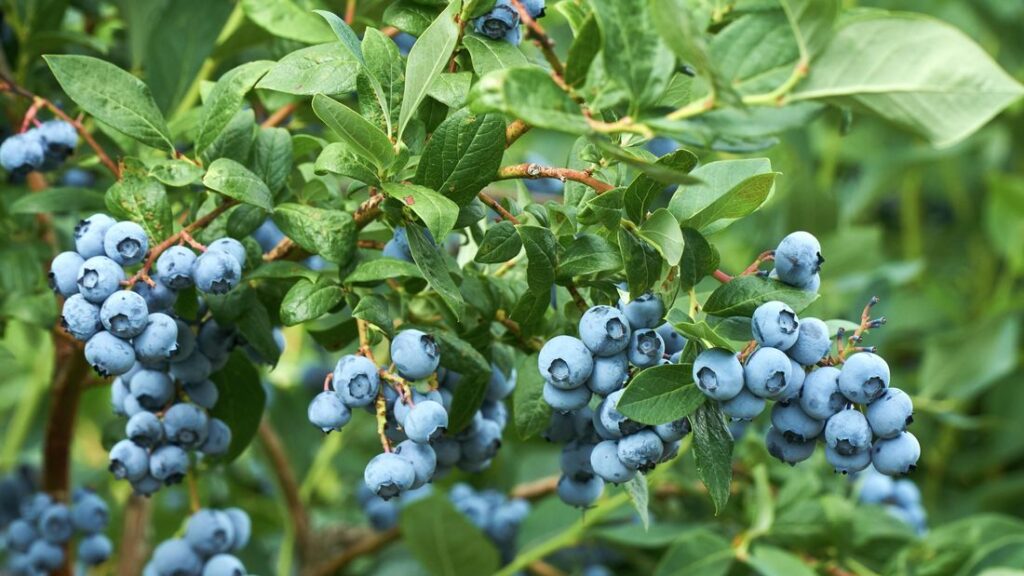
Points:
[(534, 171), (289, 485), (516, 129), (541, 39), (350, 12), (755, 266), (497, 207), (367, 545), (722, 276), (279, 115), (581, 303), (280, 251)]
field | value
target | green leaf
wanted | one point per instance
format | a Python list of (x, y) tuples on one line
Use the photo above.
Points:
[(282, 270), (742, 295), (584, 49), (462, 357), (236, 181), (642, 262), (286, 19), (964, 363), (699, 259), (501, 242), (639, 496), (662, 231), (605, 209), (387, 69), (338, 158), (588, 254), (381, 269), (428, 57), (344, 32), (682, 29), (409, 16), (257, 328), (634, 54), (772, 561), (463, 155), (437, 212), (329, 233), (310, 300), (444, 541), (113, 96), (432, 263), (451, 89), (755, 53), (362, 137), (373, 308), (644, 189), (812, 22), (661, 394), (531, 95), (914, 71), (272, 157), (241, 402), (728, 190), (226, 99), (490, 55), (235, 141), (530, 412), (177, 173), (322, 69), (542, 255), (58, 201), (698, 552), (712, 450), (662, 172), (697, 330), (143, 200)]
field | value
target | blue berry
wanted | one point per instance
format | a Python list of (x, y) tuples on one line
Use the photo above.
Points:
[(144, 429), (90, 513), (499, 22), (646, 348), (641, 451), (785, 450), (565, 362), (224, 565), (118, 392), (425, 422), (562, 400), (612, 420), (661, 146), (768, 373), (174, 267), (381, 514), (812, 343), (398, 246), (80, 318), (268, 235), (59, 139), (131, 406), (152, 388), (864, 377), (356, 380), (604, 330), (848, 433), (535, 8), (193, 369), (146, 486), (186, 342), (63, 276), (158, 340), (218, 438), (500, 386), (388, 475), (798, 258), (327, 412), (794, 424), (821, 397), (241, 525), (775, 325), (124, 314), (483, 443), (129, 461), (32, 508), (847, 463), (45, 556), (159, 298), (674, 341), (216, 272), (743, 406), (98, 278), (423, 460), (896, 456), (495, 412), (77, 178), (20, 535), (204, 394), (89, 234), (21, 153), (126, 243), (673, 431), (168, 464), (604, 460), (229, 246), (185, 425), (176, 558), (109, 355), (415, 354), (609, 374), (645, 311), (209, 532), (216, 341), (891, 413), (581, 494), (905, 492), (575, 460), (718, 373), (95, 549), (876, 488), (797, 375)]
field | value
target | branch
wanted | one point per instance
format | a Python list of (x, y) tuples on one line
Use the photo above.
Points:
[(535, 490), (497, 207), (581, 303), (516, 129), (722, 276), (133, 548), (766, 256), (542, 40), (279, 115), (534, 171), (289, 485), (367, 545), (368, 211)]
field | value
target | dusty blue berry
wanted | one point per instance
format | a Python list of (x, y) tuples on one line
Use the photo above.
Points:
[(89, 234), (768, 373), (356, 380), (176, 558), (98, 278), (641, 451), (124, 314), (645, 311), (168, 464), (80, 318), (581, 494), (216, 272), (90, 513), (158, 297), (565, 362), (209, 532), (864, 377), (229, 246), (775, 325), (812, 343), (415, 354), (604, 330), (126, 243), (743, 406), (174, 267), (152, 388), (645, 348), (129, 461), (21, 153), (604, 460), (848, 433), (224, 565), (785, 450), (388, 475), (63, 276), (718, 373), (144, 429), (95, 549), (609, 374), (218, 438), (186, 425), (423, 460), (109, 355), (896, 456), (798, 258), (891, 413), (794, 424)]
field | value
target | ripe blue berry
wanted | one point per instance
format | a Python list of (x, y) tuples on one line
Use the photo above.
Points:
[(186, 342), (118, 392), (848, 433), (55, 524), (176, 558), (229, 246), (205, 394), (641, 451), (864, 377), (821, 397), (500, 386), (218, 438), (645, 311), (797, 375), (21, 153), (146, 486), (565, 362), (158, 340), (398, 246), (743, 406), (89, 234), (129, 461), (788, 451), (209, 532), (575, 460), (604, 330), (875, 487), (794, 424), (674, 341), (614, 422), (145, 429), (224, 565), (124, 314), (185, 425), (847, 463), (126, 243), (891, 413), (90, 513), (673, 431), (896, 456), (45, 556), (423, 460), (905, 492), (718, 374), (174, 267), (152, 388), (327, 412), (426, 421), (20, 535), (798, 258), (241, 525), (109, 355), (604, 460), (216, 272), (812, 343), (482, 443), (98, 278), (535, 8), (356, 380), (415, 354), (193, 369), (159, 298), (63, 276), (77, 178), (609, 374), (80, 318), (499, 22), (581, 494), (775, 325), (768, 373), (645, 348), (168, 464), (32, 508), (58, 138), (95, 549), (388, 475)]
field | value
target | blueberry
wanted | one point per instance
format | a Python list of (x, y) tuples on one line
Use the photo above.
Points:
[(645, 348), (768, 373), (186, 342), (381, 514), (77, 178), (98, 278), (218, 438), (159, 298), (95, 549), (126, 243), (241, 525), (448, 451), (21, 153), (144, 429), (905, 492), (497, 23), (216, 341), (864, 377), (109, 355), (224, 565), (398, 246), (821, 397), (788, 451), (661, 146), (193, 369), (565, 362), (612, 420), (89, 234), (797, 375), (674, 341), (483, 443), (268, 235), (794, 424), (641, 451), (124, 314), (426, 421), (152, 388), (146, 486), (580, 494), (174, 267), (562, 400), (80, 318), (90, 514), (848, 433), (535, 8), (673, 431), (45, 556), (388, 475), (216, 272), (59, 139), (229, 246), (644, 311), (129, 461), (423, 460), (404, 41), (575, 460), (185, 425), (891, 413), (158, 340), (176, 558), (20, 535), (168, 464), (812, 343), (500, 386), (847, 463), (895, 456), (775, 325), (63, 276), (415, 354), (609, 374), (32, 508), (495, 412), (718, 373), (205, 394), (798, 258), (560, 427), (209, 532), (356, 380), (131, 406), (604, 330), (875, 487)]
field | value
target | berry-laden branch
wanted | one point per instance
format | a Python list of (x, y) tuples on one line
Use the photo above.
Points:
[(289, 485), (533, 171)]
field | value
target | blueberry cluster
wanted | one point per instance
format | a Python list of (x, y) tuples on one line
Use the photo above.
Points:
[(502, 21), (37, 537), (798, 261), (473, 449), (901, 498), (383, 514), (206, 548), (41, 148), (494, 513), (603, 445)]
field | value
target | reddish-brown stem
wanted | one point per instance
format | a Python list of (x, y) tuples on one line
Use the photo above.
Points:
[(497, 207), (858, 334), (100, 153), (280, 251), (289, 485), (534, 171), (350, 12), (748, 350), (364, 339), (766, 256), (279, 115), (30, 114), (722, 276), (370, 244), (542, 568), (541, 39), (187, 238), (328, 380), (362, 547)]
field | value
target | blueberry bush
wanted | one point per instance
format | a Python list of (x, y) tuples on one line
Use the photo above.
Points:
[(468, 287)]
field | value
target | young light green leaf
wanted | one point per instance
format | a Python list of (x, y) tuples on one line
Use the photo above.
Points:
[(286, 19), (385, 71), (432, 263), (542, 256), (584, 49), (662, 231), (411, 16), (699, 259), (322, 69), (427, 59), (310, 300), (529, 409), (329, 233), (728, 189), (697, 330), (756, 52), (501, 242), (444, 541), (531, 95), (241, 402), (236, 181), (742, 295), (451, 89), (437, 212), (490, 55), (463, 155), (362, 137), (113, 96), (712, 450), (226, 99), (176, 173), (661, 394)]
